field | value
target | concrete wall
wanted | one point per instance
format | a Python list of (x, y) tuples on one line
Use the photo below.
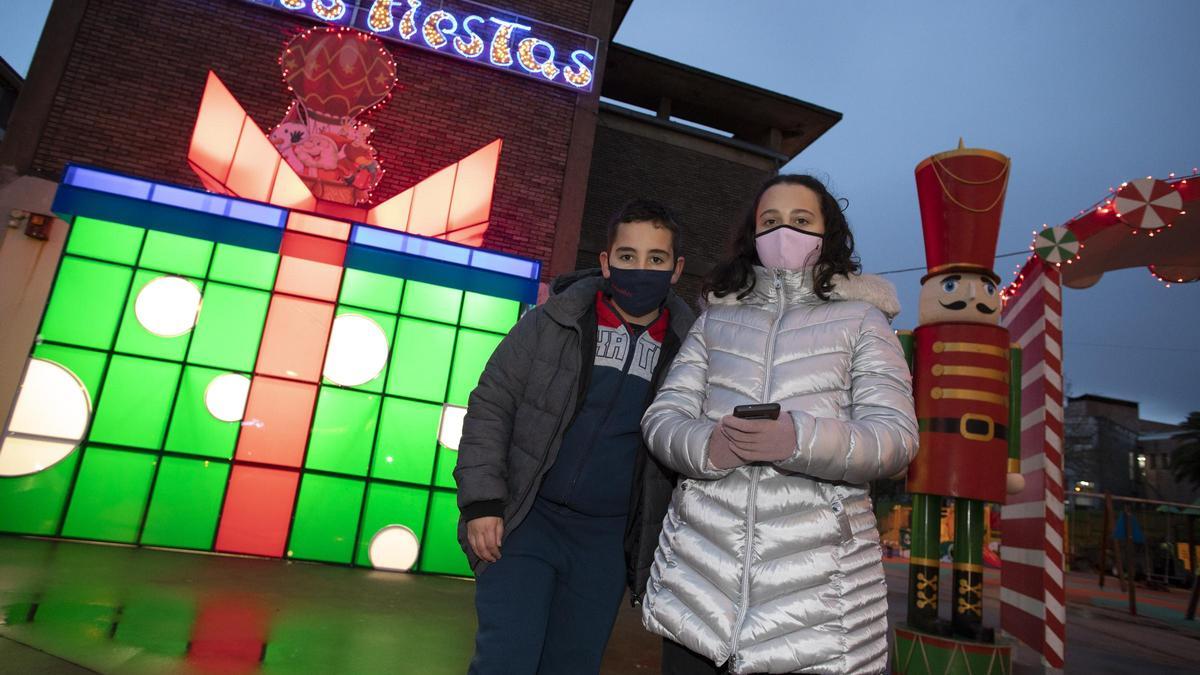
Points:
[(27, 268)]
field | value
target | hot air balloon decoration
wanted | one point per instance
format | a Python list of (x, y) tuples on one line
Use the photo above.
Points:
[(335, 75)]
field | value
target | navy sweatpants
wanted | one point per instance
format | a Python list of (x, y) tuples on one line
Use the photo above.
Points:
[(548, 605)]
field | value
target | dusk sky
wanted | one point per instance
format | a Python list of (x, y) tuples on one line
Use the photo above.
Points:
[(1081, 95)]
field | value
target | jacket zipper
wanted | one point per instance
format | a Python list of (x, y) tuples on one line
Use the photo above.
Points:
[(752, 511)]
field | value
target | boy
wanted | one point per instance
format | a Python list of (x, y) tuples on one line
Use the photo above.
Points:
[(561, 503)]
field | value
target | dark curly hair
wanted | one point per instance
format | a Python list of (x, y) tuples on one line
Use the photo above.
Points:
[(646, 210), (735, 274)]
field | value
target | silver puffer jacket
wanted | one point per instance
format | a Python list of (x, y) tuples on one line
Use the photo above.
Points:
[(775, 567)]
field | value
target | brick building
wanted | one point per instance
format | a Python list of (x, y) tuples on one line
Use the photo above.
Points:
[(1157, 442), (306, 459), (116, 83), (1109, 448), (694, 140), (1100, 444)]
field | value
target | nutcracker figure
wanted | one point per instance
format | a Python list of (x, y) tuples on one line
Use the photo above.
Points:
[(966, 380)]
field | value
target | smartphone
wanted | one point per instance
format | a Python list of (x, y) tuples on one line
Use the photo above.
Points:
[(757, 411)]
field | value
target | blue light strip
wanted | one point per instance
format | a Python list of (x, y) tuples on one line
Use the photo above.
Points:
[(94, 192), (103, 181), (444, 251), (171, 195), (518, 267)]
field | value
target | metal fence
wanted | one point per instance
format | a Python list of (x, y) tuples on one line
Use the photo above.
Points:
[(1146, 541)]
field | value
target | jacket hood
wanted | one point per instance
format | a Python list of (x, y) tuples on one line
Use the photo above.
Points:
[(797, 287), (572, 295), (564, 281)]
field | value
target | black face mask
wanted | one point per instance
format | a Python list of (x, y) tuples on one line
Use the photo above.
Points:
[(638, 292)]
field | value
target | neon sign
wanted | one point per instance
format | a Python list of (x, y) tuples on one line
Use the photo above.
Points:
[(465, 30)]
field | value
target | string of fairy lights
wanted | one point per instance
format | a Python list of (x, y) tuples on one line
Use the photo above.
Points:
[(1105, 206), (440, 28)]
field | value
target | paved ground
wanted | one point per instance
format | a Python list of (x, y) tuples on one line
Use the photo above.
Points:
[(74, 608), (1101, 635)]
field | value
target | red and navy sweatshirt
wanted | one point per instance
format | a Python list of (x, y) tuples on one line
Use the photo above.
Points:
[(594, 471)]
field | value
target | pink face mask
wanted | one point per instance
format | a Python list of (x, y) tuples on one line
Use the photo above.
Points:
[(787, 248)]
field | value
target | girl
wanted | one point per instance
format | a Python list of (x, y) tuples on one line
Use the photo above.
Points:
[(769, 559)]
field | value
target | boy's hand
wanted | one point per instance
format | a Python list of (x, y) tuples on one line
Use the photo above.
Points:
[(761, 440), (484, 534)]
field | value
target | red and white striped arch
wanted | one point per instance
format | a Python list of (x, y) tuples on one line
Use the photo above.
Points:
[(1032, 596)]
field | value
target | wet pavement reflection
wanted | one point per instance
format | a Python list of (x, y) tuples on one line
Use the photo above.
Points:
[(126, 610)]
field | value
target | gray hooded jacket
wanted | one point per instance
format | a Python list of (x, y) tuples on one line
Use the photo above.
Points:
[(775, 567), (528, 394)]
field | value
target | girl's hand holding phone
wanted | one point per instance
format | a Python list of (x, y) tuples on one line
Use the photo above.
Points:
[(761, 440)]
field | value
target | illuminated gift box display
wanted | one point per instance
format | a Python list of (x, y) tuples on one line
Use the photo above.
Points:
[(272, 367), (210, 374)]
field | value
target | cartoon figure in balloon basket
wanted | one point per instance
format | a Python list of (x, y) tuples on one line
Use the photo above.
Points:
[(334, 160), (336, 76), (966, 377)]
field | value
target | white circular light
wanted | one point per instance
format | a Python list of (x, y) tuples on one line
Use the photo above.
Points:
[(225, 397), (358, 350), (450, 430), (48, 420), (168, 306), (394, 548), (21, 456)]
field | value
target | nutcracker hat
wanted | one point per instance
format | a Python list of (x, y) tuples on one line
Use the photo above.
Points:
[(961, 193)]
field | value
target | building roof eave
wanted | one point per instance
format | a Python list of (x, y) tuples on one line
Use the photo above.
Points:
[(752, 114)]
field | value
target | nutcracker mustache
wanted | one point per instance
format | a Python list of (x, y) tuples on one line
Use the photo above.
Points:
[(961, 304)]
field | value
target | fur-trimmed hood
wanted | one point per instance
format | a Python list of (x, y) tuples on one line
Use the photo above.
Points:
[(797, 287)]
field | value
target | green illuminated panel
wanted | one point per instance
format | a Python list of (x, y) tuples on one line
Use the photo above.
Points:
[(87, 365), (229, 328), (107, 241), (161, 625), (33, 504), (110, 495), (187, 499), (244, 266), (326, 518), (370, 290), (446, 461), (426, 301), (440, 552), (420, 360), (385, 321), (486, 312), (342, 431), (407, 441), (133, 338), (194, 430), (86, 303), (470, 356), (390, 505), (179, 255), (135, 402)]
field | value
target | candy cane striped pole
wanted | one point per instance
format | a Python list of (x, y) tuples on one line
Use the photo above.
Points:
[(1032, 596)]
